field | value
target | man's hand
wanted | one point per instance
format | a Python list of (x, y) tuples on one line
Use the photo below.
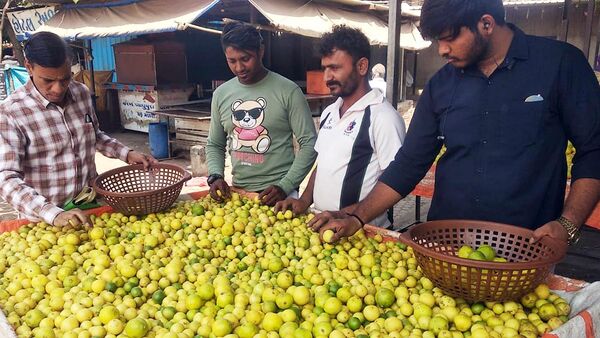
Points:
[(134, 157), (298, 206), (272, 195), (342, 225), (219, 190), (324, 218), (74, 217), (551, 229)]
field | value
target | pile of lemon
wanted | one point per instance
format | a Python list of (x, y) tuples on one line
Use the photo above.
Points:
[(236, 269), (569, 153)]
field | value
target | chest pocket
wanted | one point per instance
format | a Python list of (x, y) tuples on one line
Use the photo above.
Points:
[(521, 122)]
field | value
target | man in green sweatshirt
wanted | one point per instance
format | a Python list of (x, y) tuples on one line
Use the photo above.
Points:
[(256, 114)]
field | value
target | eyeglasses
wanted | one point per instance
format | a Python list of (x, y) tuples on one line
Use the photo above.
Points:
[(239, 115)]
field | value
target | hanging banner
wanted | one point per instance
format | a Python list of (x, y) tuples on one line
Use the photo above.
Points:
[(26, 22)]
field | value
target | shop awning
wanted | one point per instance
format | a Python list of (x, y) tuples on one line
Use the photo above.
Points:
[(144, 17), (313, 19)]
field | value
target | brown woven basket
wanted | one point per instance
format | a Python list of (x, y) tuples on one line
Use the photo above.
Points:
[(436, 246), (135, 191)]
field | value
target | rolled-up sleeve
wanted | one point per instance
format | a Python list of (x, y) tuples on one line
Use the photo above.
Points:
[(579, 101), (419, 150)]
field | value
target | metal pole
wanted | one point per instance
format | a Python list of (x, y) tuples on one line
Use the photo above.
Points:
[(414, 87), (564, 24), (402, 77), (588, 27), (90, 58), (203, 29), (394, 68), (597, 49)]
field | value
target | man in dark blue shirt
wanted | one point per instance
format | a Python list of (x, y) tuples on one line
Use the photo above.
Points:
[(504, 106)]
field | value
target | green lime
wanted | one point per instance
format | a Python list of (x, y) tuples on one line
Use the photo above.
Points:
[(354, 323), (158, 296), (198, 209), (477, 308), (111, 287), (389, 314), (136, 292)]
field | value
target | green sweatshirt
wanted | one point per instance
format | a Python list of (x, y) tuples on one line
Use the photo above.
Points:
[(256, 123)]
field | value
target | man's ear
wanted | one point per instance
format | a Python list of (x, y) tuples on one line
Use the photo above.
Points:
[(29, 67), (363, 66), (486, 24)]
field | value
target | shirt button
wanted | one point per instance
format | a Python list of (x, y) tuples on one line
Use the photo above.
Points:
[(477, 199), (489, 82), (479, 170), (486, 112), (484, 141)]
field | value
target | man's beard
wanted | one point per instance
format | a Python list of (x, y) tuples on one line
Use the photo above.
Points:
[(349, 86), (479, 51)]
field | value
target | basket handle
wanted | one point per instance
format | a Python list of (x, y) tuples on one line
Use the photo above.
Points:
[(186, 176), (404, 238), (94, 183)]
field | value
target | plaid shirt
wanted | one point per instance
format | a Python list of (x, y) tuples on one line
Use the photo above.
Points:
[(47, 152)]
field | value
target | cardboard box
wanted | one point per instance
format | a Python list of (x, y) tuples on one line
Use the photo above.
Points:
[(315, 83)]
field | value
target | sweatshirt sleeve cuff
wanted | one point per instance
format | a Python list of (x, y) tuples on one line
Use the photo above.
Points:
[(49, 212), (122, 153), (286, 186)]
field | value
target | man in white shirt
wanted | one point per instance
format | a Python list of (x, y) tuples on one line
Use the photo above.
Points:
[(378, 78), (359, 135)]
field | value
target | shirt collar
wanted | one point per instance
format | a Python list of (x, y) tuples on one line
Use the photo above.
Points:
[(519, 48), (374, 96), (36, 95)]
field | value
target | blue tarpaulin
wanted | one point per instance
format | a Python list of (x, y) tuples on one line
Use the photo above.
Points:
[(18, 76), (11, 78)]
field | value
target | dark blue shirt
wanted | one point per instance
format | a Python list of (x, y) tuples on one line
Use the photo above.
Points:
[(505, 135)]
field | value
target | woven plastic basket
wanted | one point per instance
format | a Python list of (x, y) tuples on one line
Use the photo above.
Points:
[(135, 191), (436, 246)]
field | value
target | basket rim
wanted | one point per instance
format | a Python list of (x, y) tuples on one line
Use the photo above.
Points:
[(544, 262), (186, 177)]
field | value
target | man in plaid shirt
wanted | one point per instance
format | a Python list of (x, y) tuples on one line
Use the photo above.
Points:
[(49, 135)]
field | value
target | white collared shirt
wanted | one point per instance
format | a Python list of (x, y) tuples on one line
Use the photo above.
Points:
[(336, 140)]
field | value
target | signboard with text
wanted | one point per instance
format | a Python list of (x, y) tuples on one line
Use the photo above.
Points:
[(137, 109), (137, 106), (26, 22)]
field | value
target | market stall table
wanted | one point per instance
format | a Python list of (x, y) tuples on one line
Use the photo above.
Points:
[(583, 297), (189, 121)]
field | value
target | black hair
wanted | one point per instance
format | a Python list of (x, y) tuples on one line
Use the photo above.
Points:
[(350, 40), (440, 16), (47, 50), (241, 36)]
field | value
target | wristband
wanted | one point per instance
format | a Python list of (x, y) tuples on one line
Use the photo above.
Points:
[(362, 224)]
